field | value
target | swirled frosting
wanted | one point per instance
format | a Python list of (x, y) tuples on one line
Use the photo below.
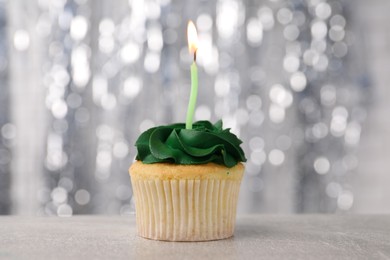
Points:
[(203, 144)]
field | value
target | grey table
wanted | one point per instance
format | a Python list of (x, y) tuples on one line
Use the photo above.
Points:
[(256, 237)]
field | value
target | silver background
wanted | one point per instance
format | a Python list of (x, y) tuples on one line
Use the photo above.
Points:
[(303, 83)]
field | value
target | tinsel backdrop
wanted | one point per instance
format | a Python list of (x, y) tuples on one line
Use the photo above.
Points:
[(81, 79)]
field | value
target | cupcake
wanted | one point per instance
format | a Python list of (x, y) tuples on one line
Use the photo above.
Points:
[(186, 182)]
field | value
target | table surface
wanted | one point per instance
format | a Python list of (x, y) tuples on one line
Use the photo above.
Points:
[(256, 237)]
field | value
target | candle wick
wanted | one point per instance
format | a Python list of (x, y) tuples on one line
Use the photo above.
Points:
[(195, 55)]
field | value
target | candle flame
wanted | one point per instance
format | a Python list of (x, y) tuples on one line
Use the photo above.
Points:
[(192, 38)]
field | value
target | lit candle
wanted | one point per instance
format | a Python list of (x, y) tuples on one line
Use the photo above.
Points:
[(193, 47)]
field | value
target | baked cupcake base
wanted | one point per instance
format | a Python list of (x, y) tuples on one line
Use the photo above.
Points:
[(185, 202)]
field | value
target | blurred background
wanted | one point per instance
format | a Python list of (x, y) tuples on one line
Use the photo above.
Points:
[(302, 82)]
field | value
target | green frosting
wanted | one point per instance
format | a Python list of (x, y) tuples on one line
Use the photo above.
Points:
[(203, 144)]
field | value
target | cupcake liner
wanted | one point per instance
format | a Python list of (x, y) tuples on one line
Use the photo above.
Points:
[(186, 210)]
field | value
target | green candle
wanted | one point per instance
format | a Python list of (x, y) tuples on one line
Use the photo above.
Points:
[(192, 46), (193, 96)]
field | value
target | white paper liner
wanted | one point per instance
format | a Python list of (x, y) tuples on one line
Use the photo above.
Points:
[(186, 210)]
